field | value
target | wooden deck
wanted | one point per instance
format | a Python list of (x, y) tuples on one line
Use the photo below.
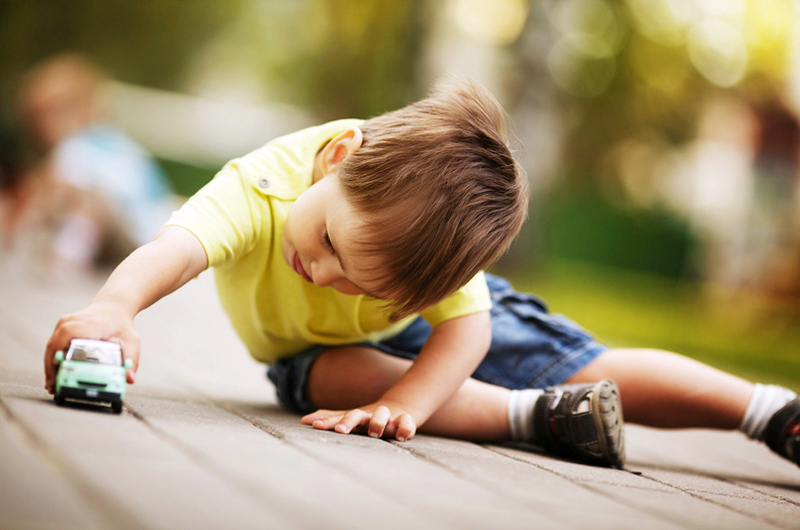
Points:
[(201, 443)]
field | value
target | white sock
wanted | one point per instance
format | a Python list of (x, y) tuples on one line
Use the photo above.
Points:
[(520, 413), (766, 401)]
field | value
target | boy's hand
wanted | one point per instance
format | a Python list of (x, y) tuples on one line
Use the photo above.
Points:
[(172, 258), (378, 420), (97, 321), (452, 352)]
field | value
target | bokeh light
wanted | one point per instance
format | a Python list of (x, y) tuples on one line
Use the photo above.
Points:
[(583, 59), (718, 51), (583, 66), (499, 22)]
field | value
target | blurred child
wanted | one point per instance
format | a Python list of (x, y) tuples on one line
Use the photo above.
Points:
[(349, 257), (98, 191)]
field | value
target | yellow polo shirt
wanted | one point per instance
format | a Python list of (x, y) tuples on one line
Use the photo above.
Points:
[(239, 217)]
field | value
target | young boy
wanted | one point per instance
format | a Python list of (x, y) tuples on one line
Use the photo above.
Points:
[(349, 257)]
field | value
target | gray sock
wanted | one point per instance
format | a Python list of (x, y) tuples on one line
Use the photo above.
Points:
[(766, 401), (520, 413)]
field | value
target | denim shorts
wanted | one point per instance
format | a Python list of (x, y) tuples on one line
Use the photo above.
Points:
[(531, 348)]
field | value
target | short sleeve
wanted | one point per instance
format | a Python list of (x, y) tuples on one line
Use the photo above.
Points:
[(223, 216), (471, 298)]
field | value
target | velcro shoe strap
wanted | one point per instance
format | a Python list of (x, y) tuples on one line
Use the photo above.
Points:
[(559, 431), (543, 433), (578, 429)]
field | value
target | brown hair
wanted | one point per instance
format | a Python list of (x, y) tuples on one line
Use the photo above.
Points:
[(441, 192)]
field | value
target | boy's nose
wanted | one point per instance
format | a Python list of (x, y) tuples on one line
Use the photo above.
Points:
[(323, 276)]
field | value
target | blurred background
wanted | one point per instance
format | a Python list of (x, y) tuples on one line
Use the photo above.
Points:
[(660, 138)]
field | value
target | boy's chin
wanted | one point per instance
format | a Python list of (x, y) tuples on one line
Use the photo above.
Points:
[(354, 291)]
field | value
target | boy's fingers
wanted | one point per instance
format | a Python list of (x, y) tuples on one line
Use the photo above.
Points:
[(49, 373), (377, 424), (321, 414), (406, 427), (308, 419), (130, 350), (326, 424), (351, 420), (53, 345), (130, 374)]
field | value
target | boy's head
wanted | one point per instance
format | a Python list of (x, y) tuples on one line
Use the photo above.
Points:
[(440, 193), (59, 97)]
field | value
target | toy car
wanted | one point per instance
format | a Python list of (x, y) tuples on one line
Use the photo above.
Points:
[(93, 371)]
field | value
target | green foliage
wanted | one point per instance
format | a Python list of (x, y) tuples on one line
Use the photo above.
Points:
[(339, 59), (148, 42), (186, 179), (583, 225), (354, 59)]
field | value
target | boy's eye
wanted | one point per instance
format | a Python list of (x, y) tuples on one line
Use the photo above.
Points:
[(327, 241)]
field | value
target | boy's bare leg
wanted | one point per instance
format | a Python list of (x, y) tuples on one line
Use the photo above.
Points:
[(663, 389), (658, 388), (349, 377)]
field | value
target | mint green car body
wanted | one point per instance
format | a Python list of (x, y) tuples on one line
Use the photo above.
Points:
[(92, 371)]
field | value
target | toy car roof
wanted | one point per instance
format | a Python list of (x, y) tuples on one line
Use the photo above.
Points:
[(94, 351)]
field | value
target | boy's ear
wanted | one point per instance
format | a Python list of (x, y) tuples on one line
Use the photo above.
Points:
[(338, 149)]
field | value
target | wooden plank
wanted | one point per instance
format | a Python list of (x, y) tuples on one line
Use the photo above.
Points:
[(265, 468), (717, 453), (34, 493), (501, 469), (118, 461), (674, 505), (424, 487)]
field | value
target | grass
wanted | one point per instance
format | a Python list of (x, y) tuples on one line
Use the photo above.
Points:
[(749, 335)]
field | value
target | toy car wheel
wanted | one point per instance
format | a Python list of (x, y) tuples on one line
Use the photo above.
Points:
[(116, 406), (59, 399)]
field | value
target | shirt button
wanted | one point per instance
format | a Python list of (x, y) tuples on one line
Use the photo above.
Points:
[(263, 182)]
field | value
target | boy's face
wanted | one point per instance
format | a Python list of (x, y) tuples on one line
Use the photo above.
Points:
[(58, 103), (320, 240)]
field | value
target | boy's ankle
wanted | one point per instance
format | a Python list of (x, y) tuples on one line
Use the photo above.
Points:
[(764, 404)]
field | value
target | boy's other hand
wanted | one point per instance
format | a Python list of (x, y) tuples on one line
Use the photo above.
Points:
[(97, 321), (377, 420)]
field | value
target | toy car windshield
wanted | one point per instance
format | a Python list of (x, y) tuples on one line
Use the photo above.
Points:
[(95, 354)]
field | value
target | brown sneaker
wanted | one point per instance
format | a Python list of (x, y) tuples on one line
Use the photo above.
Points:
[(583, 422)]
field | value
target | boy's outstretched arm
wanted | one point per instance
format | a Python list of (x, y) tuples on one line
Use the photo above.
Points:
[(154, 270), (453, 351)]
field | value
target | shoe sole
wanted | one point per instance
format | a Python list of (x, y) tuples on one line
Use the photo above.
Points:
[(607, 414)]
